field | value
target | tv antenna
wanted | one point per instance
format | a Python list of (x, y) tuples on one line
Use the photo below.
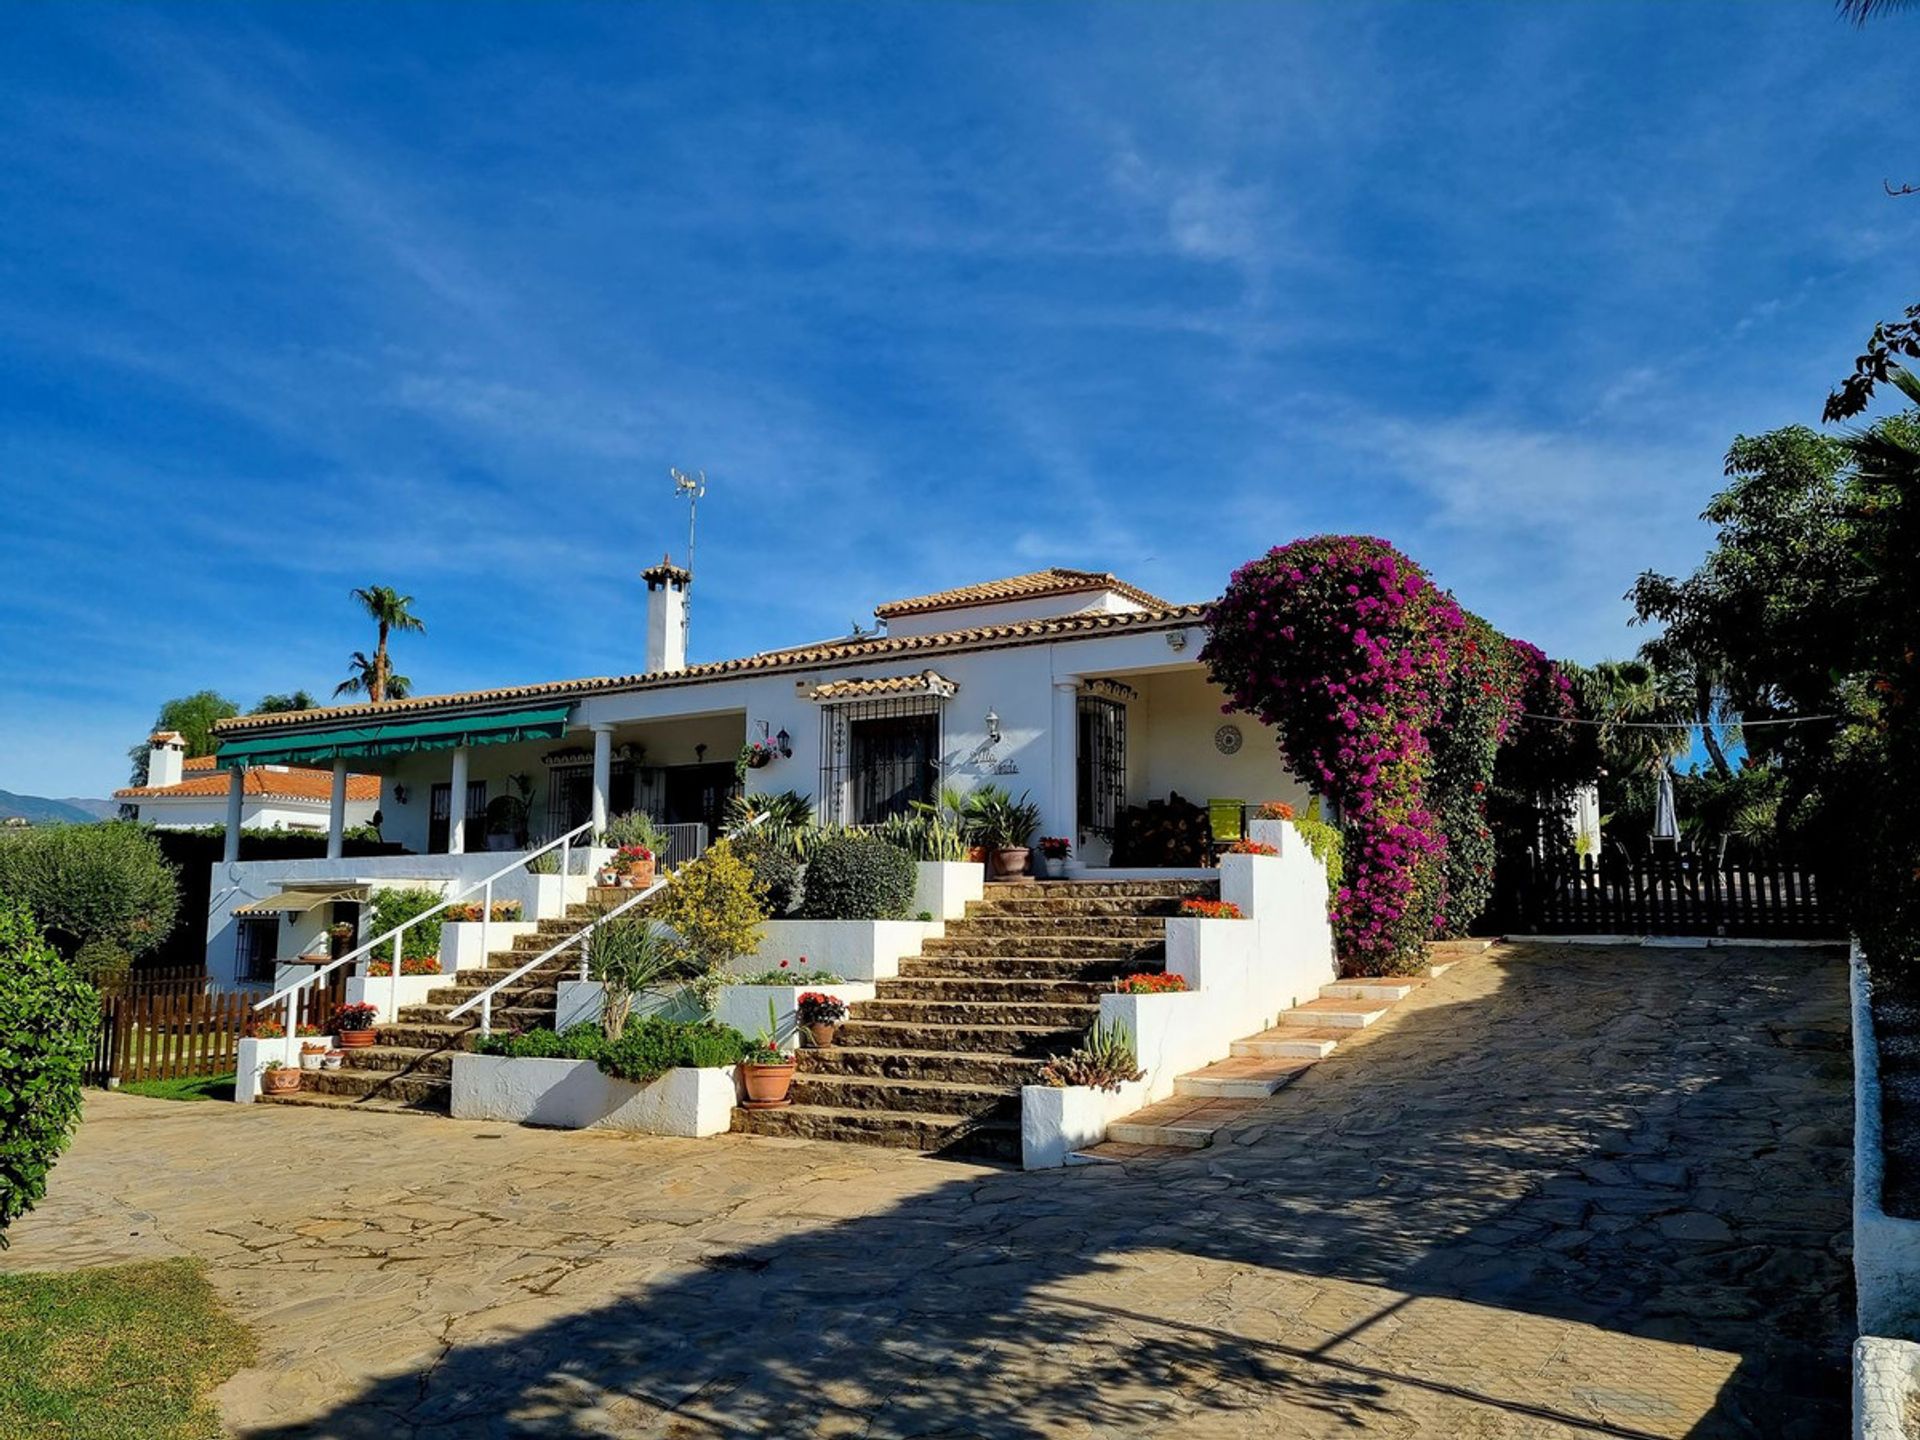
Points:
[(693, 486)]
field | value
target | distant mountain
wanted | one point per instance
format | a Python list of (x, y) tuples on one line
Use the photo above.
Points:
[(39, 810)]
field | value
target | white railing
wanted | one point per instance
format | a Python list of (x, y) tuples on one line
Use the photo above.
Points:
[(583, 937), (290, 993)]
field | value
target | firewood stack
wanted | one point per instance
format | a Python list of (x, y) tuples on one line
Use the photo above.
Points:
[(1162, 832)]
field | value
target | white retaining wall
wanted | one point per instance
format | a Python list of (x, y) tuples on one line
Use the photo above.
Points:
[(853, 949), (256, 1055), (575, 1095), (1886, 1250), (1055, 1121), (745, 1006)]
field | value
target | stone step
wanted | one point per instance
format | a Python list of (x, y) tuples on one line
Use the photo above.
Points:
[(919, 1097), (1242, 1077), (399, 1058), (978, 1012), (959, 1066), (1291, 1042), (1099, 889), (1047, 947), (319, 1101), (1124, 906), (1187, 1121), (1022, 967), (1140, 927), (419, 1091), (530, 992), (1338, 1014), (1000, 989), (953, 1136), (505, 1017), (408, 1036), (1027, 1041), (1387, 988)]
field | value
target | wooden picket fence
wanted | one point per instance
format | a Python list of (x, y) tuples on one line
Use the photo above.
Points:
[(1758, 897), (174, 1029)]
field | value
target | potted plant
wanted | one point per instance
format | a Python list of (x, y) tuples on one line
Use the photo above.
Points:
[(339, 938), (353, 1025), (279, 1079), (312, 1054), (823, 1015), (635, 863), (1054, 850), (333, 1060), (1003, 825), (758, 755), (767, 1070)]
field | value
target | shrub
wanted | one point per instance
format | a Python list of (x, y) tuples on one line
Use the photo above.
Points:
[(576, 1042), (814, 1008), (784, 816), (101, 962), (416, 965), (785, 973), (1196, 908), (648, 1048), (634, 828), (353, 1017), (1104, 1062), (998, 821), (470, 912), (1327, 844), (714, 909), (770, 856), (926, 834), (1274, 810), (857, 877), (389, 908), (87, 883), (1252, 847), (1149, 983), (47, 1020), (630, 956)]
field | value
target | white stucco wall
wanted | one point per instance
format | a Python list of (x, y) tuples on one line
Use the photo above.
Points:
[(1176, 718), (195, 812)]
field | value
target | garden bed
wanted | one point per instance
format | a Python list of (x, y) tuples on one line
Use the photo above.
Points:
[(576, 1095)]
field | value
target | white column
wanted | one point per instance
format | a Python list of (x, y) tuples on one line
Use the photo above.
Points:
[(602, 777), (457, 805), (337, 812), (1062, 813), (236, 798)]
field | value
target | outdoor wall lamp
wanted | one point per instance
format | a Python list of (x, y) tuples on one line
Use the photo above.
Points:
[(785, 742), (1176, 639), (993, 728)]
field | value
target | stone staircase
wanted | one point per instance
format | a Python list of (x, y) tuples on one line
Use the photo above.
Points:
[(411, 1066), (936, 1060)]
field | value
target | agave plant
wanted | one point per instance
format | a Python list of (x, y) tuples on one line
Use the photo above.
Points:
[(788, 819)]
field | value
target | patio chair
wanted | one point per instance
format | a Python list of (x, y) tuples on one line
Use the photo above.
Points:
[(1226, 819)]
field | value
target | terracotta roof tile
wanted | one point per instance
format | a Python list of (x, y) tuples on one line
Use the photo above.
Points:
[(263, 782), (1032, 586), (927, 682), (826, 654)]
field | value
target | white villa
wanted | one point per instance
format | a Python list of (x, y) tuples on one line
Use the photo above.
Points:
[(186, 794), (1073, 686)]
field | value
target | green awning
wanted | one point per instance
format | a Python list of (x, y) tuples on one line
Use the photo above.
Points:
[(402, 737)]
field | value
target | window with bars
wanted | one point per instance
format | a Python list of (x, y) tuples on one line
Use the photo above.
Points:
[(440, 812), (878, 757), (257, 948), (1100, 776)]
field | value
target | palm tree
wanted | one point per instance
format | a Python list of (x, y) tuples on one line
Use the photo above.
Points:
[(388, 607), (366, 677), (280, 704), (1861, 11)]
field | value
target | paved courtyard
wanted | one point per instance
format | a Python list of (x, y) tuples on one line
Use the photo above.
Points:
[(1565, 1192)]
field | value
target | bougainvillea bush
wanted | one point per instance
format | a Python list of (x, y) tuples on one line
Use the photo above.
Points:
[(1392, 701)]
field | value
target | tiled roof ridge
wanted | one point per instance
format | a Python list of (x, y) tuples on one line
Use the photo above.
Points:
[(829, 653), (1034, 585)]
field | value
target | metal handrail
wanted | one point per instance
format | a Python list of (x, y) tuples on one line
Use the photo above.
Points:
[(287, 993), (485, 998)]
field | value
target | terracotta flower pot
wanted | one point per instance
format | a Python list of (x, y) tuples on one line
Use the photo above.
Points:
[(822, 1035), (1006, 864), (977, 854), (767, 1085), (355, 1039), (282, 1081), (640, 873)]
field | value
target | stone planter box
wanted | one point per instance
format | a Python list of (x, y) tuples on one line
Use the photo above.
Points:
[(857, 949), (745, 1006), (1055, 1121), (942, 888), (577, 1002), (1173, 1034), (253, 1054), (575, 1095), (460, 940), (1886, 1250)]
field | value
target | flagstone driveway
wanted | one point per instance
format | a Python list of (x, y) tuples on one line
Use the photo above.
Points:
[(1566, 1192)]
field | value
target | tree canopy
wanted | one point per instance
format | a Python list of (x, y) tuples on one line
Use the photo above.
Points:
[(193, 716)]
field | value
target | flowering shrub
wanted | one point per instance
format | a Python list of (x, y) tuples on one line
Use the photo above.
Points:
[(632, 855), (470, 913), (1252, 847), (1056, 847), (274, 1030), (1198, 909), (1392, 700), (1274, 810), (1147, 983), (354, 1017), (788, 972), (410, 965)]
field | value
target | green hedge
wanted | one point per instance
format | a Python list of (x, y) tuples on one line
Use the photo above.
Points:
[(857, 877), (90, 885), (47, 1019), (646, 1049), (389, 908), (775, 867)]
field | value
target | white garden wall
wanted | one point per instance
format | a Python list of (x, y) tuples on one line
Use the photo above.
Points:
[(256, 1055), (745, 1006), (575, 1095), (1056, 1121), (852, 949), (1886, 1250)]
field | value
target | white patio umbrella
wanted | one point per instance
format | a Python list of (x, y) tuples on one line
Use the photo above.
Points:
[(1666, 824)]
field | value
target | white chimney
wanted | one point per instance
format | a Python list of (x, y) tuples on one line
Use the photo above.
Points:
[(666, 616), (166, 757)]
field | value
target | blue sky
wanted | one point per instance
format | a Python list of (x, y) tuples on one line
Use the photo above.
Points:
[(297, 299)]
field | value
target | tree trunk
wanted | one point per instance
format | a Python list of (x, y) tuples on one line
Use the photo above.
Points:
[(379, 686)]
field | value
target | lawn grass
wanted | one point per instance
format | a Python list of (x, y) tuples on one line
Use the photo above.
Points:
[(187, 1087), (119, 1351)]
